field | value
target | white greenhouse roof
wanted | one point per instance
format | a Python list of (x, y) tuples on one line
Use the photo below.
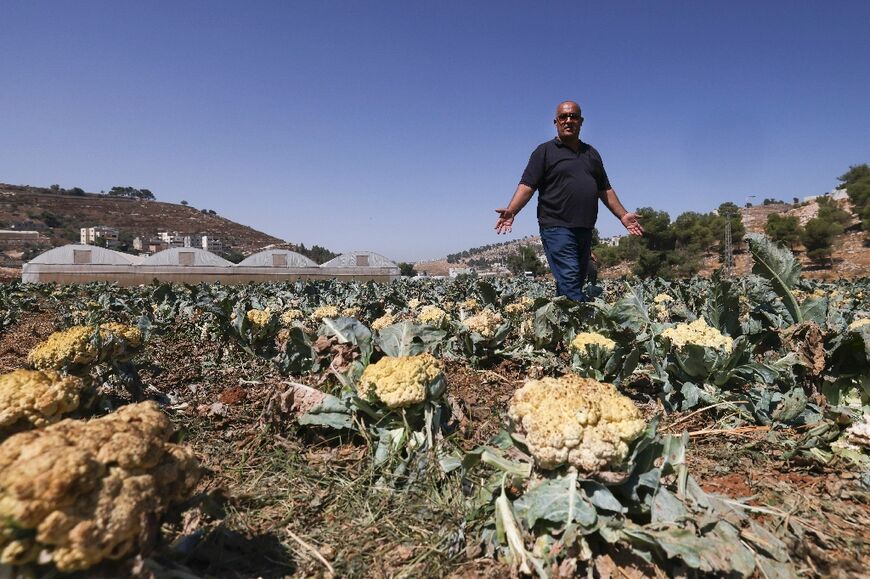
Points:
[(360, 259), (82, 255), (276, 258), (189, 256)]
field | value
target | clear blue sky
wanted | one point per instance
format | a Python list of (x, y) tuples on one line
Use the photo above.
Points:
[(398, 127)]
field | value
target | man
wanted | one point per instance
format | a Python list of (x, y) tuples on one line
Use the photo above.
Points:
[(570, 178)]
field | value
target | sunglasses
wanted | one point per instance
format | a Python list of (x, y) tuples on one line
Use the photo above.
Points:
[(566, 116)]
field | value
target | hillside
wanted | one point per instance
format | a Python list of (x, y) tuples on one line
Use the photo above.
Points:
[(59, 217), (851, 256)]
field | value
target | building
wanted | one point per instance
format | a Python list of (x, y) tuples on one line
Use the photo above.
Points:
[(17, 237), (175, 239), (611, 241), (152, 245), (99, 235), (210, 243)]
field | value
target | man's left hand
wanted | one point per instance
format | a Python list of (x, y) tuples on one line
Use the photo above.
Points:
[(632, 223)]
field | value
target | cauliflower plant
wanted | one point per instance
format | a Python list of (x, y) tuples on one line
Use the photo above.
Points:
[(695, 351), (576, 421), (77, 493), (698, 333), (591, 352), (33, 399), (77, 346), (433, 316), (402, 381), (485, 323), (469, 305)]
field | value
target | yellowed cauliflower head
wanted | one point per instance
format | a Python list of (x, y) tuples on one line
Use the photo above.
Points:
[(79, 492), (259, 319), (401, 381), (326, 311), (576, 421), (388, 319), (33, 399), (698, 333), (351, 312), (857, 324), (291, 316), (583, 340), (77, 346), (485, 323), (432, 315)]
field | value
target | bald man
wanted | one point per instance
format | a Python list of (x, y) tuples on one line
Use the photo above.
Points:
[(570, 179)]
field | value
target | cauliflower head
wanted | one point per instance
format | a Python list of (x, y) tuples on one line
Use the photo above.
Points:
[(33, 399), (388, 319), (576, 421), (469, 305), (351, 312), (518, 307), (699, 334), (75, 346), (291, 316), (259, 319), (485, 323), (858, 324), (432, 315), (80, 492), (326, 311), (662, 299), (401, 381), (583, 341)]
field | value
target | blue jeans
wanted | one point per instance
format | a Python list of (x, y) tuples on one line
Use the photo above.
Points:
[(568, 250)]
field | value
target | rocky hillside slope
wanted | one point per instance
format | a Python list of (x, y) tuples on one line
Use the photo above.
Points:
[(58, 217)]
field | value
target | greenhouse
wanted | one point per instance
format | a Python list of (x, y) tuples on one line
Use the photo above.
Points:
[(87, 263)]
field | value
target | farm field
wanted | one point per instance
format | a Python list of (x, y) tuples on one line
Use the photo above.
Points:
[(430, 428)]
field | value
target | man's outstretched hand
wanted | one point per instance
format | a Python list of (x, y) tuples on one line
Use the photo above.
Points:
[(505, 221), (631, 222)]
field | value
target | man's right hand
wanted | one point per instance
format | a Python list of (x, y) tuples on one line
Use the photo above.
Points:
[(505, 221)]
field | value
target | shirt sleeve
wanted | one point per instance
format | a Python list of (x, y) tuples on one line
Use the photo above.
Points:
[(534, 172), (601, 178)]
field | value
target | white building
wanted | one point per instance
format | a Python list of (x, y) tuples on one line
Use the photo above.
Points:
[(611, 241), (210, 243), (94, 235), (175, 239)]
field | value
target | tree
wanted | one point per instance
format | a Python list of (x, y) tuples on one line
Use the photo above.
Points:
[(183, 202), (830, 210), (785, 230), (407, 269), (525, 259), (818, 239), (856, 181)]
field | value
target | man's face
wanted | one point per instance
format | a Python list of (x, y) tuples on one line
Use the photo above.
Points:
[(568, 121)]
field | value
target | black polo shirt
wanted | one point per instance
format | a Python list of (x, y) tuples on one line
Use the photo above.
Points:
[(568, 183)]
